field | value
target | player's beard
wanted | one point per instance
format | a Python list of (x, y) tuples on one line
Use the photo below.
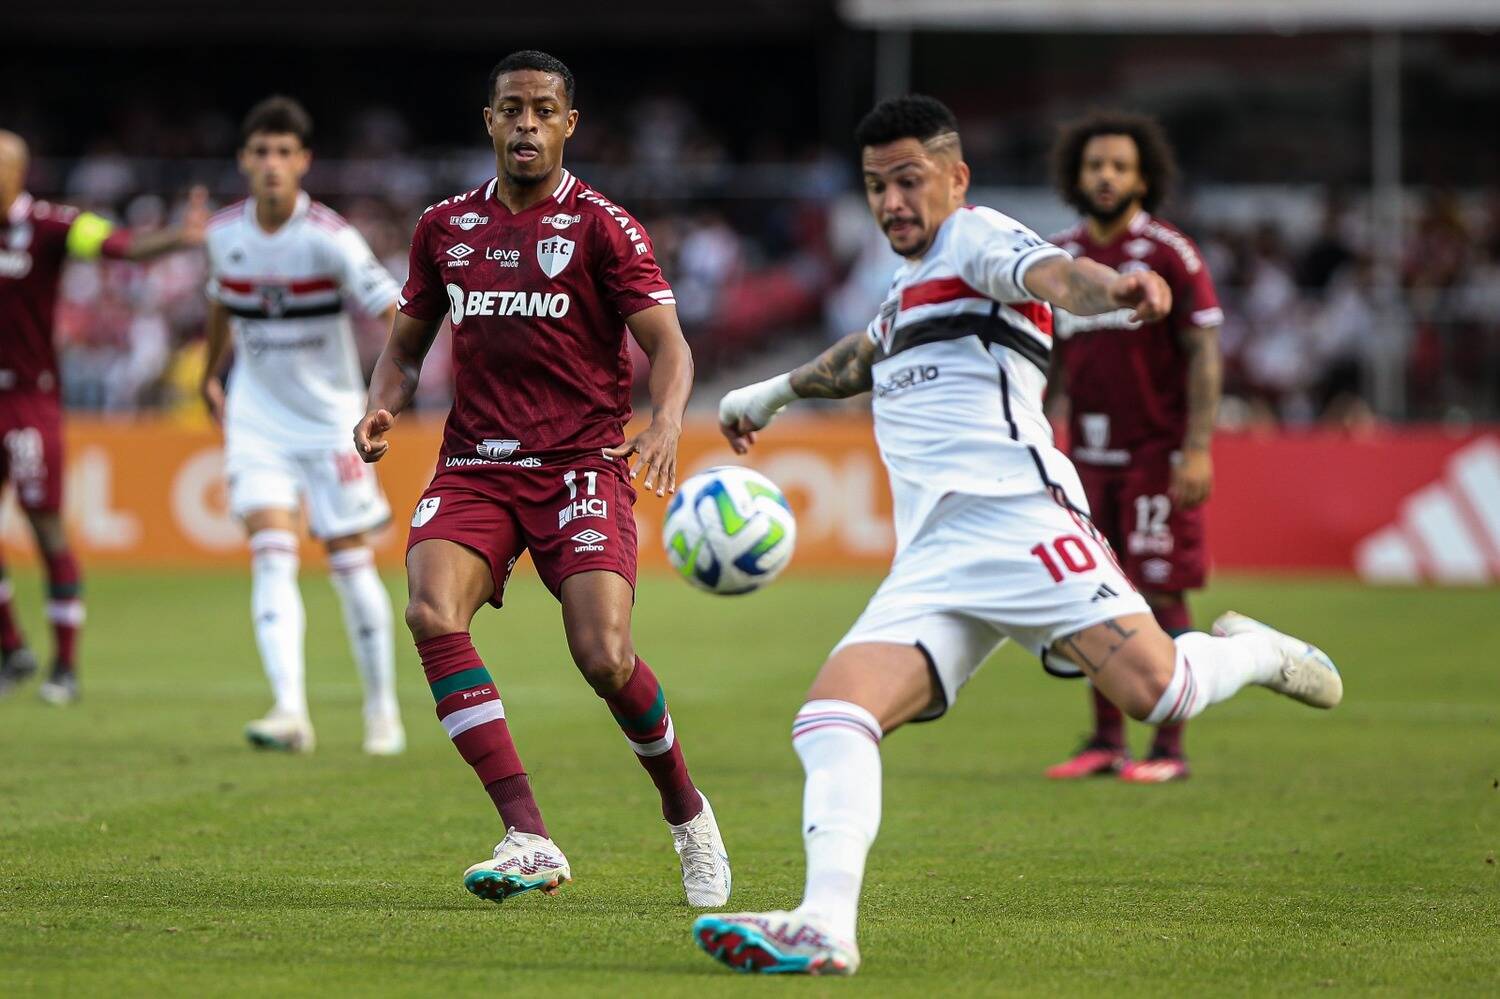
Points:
[(1108, 216)]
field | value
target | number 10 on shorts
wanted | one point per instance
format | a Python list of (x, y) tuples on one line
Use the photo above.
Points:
[(1071, 554)]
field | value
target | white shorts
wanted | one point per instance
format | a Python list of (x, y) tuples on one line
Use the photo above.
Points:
[(343, 496), (987, 568)]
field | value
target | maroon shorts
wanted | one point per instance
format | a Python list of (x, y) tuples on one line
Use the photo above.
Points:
[(572, 516), (31, 448), (1160, 547)]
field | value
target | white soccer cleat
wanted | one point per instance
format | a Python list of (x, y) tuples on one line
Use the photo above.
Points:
[(773, 943), (1306, 673), (522, 862), (705, 864), (282, 731), (384, 736)]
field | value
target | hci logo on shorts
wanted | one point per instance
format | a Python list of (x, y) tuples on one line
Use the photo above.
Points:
[(426, 510), (497, 449)]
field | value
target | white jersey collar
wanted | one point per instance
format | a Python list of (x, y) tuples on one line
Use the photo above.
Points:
[(304, 200)]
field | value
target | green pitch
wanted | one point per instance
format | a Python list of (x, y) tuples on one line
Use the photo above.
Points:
[(144, 850)]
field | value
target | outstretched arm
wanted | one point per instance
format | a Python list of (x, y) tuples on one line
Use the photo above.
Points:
[(1087, 288), (394, 382), (123, 244), (660, 335), (841, 371)]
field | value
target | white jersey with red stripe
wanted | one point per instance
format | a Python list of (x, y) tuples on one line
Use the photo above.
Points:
[(961, 363), (296, 383)]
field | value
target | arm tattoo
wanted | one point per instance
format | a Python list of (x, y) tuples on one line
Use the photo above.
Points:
[(1113, 643), (839, 372), (1089, 296), (1204, 377)]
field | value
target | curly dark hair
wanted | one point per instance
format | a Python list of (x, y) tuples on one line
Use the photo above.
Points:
[(278, 115), (531, 59), (911, 117), (1158, 165)]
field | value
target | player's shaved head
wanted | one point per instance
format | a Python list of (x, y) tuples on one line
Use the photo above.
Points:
[(533, 59), (914, 116), (14, 158)]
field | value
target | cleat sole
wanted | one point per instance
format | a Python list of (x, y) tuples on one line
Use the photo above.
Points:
[(494, 887), (746, 951)]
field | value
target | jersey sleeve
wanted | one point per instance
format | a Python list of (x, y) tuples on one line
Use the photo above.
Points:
[(362, 278), (1195, 300), (629, 277), (994, 254), (424, 296)]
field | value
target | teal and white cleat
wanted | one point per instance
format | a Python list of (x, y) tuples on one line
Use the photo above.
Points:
[(16, 667), (60, 689), (522, 862), (1306, 673), (705, 866), (775, 943), (281, 731)]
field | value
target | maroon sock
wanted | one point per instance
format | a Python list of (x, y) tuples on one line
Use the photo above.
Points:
[(10, 635), (1109, 721), (1175, 620), (468, 705), (640, 708), (64, 607)]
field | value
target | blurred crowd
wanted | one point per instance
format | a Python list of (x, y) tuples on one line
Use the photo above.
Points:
[(766, 243)]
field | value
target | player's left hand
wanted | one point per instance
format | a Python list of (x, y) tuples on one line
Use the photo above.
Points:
[(1146, 292), (657, 447), (1192, 479), (190, 231)]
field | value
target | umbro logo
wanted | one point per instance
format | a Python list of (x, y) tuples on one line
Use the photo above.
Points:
[(460, 250), (590, 537)]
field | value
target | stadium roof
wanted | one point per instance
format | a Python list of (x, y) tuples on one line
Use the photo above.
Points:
[(1171, 15)]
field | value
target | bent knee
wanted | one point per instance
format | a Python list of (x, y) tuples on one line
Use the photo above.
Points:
[(606, 661), (427, 619)]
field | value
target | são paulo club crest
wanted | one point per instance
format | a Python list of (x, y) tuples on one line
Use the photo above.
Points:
[(553, 254)]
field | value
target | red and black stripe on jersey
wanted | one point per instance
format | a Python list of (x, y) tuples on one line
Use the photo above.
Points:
[(1025, 327)]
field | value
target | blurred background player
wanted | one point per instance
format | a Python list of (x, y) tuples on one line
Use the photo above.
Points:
[(1141, 399), (281, 267), (36, 239), (541, 276)]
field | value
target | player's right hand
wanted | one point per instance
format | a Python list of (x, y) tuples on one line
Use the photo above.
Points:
[(1147, 292), (369, 435), (742, 412), (212, 391)]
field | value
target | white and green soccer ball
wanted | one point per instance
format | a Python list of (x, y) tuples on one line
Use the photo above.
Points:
[(729, 530)]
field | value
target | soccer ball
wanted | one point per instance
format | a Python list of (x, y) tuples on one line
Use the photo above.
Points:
[(729, 530)]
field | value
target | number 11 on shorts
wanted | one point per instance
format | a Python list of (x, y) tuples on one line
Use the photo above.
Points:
[(1071, 552), (571, 481)]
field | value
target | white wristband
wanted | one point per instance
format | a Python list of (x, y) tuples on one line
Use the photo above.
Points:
[(757, 403)]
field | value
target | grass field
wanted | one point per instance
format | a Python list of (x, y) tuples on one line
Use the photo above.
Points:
[(145, 851)]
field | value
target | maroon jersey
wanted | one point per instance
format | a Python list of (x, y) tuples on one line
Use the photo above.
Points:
[(538, 302), (1127, 382), (33, 249)]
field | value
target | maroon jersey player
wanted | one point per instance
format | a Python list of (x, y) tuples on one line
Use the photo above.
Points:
[(36, 239), (1141, 398), (542, 277)]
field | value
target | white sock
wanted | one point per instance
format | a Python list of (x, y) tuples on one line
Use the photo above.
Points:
[(839, 745), (1212, 669), (276, 611), (367, 619)]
